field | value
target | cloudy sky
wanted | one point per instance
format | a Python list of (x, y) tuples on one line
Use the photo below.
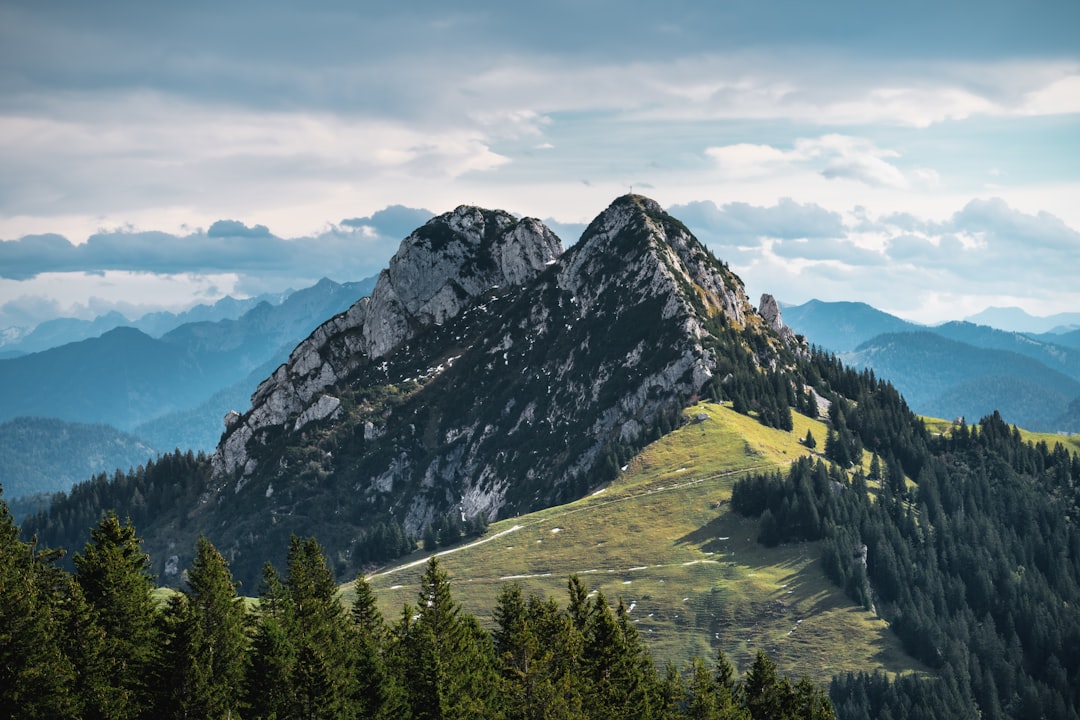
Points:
[(918, 156)]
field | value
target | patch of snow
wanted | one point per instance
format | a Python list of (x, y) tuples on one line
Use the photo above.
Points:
[(555, 530), (601, 490)]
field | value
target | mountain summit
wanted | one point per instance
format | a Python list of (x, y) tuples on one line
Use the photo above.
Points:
[(488, 374)]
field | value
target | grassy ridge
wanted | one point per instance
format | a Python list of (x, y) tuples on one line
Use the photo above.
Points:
[(661, 538)]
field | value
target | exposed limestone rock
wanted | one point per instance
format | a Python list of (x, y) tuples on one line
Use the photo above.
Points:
[(769, 309), (437, 272), (326, 406), (490, 374)]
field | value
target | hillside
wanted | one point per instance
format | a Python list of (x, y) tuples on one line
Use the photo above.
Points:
[(491, 379), (843, 326), (954, 369), (488, 374), (946, 378), (662, 538), (41, 455)]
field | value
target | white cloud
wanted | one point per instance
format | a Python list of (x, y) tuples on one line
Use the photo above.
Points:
[(833, 156)]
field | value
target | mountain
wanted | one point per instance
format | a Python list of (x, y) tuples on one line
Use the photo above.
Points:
[(956, 368), (122, 378), (842, 326), (489, 373), (200, 427), (125, 377), (41, 455), (61, 331), (1069, 339), (1016, 320), (940, 377), (1044, 349)]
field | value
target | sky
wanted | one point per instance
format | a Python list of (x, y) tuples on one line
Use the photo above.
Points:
[(921, 157)]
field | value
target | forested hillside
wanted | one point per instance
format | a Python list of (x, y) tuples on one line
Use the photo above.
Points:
[(97, 644), (966, 542)]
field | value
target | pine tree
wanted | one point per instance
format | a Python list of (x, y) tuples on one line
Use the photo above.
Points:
[(620, 681), (450, 671), (765, 694), (378, 692), (206, 645), (113, 575), (35, 672), (322, 676)]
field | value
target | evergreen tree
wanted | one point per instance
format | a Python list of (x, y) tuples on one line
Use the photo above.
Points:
[(35, 673), (113, 576), (766, 695), (378, 691), (206, 644), (322, 676), (449, 667)]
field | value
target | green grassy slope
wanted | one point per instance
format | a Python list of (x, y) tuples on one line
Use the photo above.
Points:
[(663, 539)]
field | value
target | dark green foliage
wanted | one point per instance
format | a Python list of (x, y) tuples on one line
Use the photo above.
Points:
[(205, 645), (112, 574), (976, 570), (36, 672), (448, 659), (172, 480), (66, 655)]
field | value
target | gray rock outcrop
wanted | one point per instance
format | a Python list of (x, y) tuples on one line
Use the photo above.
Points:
[(438, 270)]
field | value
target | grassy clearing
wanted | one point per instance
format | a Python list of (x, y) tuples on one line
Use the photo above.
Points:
[(662, 539)]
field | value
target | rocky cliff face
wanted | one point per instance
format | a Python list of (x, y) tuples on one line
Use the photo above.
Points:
[(488, 374), (438, 270)]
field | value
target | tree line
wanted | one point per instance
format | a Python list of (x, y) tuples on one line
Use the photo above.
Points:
[(96, 644)]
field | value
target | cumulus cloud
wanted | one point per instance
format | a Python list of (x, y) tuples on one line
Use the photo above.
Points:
[(921, 268), (357, 247), (741, 222), (833, 156)]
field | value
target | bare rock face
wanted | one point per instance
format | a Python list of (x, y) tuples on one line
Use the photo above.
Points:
[(769, 309), (438, 270)]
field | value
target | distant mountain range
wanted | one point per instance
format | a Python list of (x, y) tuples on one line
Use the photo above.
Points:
[(61, 331), (170, 392), (1016, 320), (958, 368)]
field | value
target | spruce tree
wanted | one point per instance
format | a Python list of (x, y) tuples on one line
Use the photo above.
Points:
[(206, 644), (35, 672), (113, 575), (378, 691), (322, 675), (450, 660)]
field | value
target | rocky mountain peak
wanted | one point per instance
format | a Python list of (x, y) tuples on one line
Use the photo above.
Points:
[(490, 373), (437, 271)]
